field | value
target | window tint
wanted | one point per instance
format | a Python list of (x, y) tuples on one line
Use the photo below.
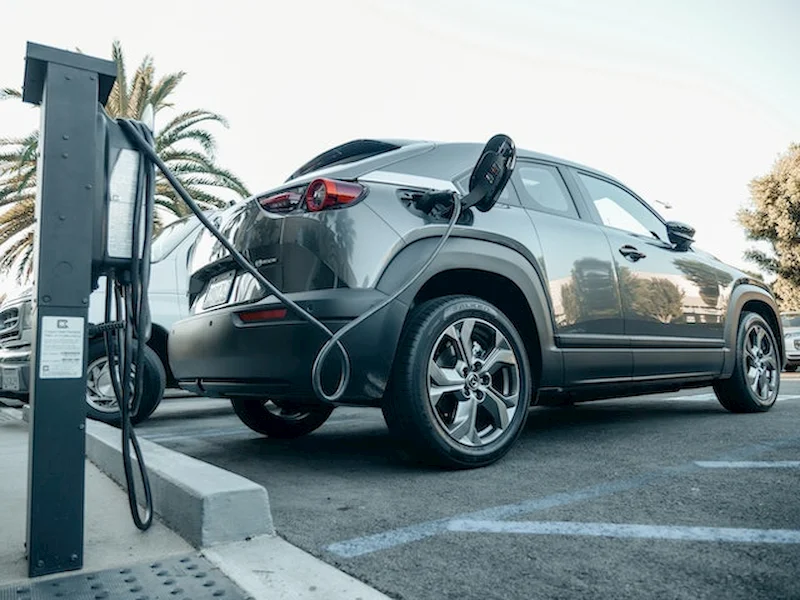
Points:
[(543, 189), (621, 210)]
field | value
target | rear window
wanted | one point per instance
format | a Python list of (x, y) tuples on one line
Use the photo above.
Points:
[(544, 190), (346, 153)]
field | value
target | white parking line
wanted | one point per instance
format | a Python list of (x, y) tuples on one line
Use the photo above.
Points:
[(621, 530), (696, 397), (709, 397), (751, 464), (385, 540)]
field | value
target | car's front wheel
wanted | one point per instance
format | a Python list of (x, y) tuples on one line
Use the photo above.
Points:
[(754, 385), (280, 419), (790, 368), (461, 383)]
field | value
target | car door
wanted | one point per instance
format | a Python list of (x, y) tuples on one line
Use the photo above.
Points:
[(581, 276), (673, 300)]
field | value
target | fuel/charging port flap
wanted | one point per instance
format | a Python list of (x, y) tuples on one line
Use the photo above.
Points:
[(493, 170)]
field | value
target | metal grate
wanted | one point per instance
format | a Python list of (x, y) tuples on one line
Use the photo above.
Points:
[(178, 578)]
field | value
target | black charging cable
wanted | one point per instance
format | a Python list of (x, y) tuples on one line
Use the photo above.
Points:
[(334, 339), (126, 292)]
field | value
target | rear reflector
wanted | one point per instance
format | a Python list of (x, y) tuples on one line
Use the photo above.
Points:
[(263, 315), (329, 193)]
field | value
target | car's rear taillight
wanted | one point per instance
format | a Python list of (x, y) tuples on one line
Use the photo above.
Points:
[(282, 202), (322, 194)]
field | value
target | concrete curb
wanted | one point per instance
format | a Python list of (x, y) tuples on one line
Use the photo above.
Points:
[(270, 567), (204, 504)]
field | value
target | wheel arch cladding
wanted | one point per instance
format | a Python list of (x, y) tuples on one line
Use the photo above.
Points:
[(492, 272), (750, 298)]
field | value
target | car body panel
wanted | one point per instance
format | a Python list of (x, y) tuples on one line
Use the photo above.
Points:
[(791, 335), (612, 337)]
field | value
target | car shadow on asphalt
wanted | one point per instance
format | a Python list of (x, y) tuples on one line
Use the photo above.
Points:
[(604, 411), (366, 444)]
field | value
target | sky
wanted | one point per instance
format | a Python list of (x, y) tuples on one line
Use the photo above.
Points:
[(684, 101)]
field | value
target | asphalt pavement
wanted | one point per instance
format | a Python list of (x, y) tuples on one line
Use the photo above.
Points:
[(664, 496)]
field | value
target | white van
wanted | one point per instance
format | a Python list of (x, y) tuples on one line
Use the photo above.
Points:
[(168, 303)]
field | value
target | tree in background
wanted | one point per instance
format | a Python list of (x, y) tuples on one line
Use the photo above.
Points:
[(774, 216), (184, 143)]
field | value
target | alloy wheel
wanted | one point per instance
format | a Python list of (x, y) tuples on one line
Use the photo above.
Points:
[(99, 388), (761, 364), (473, 382), (284, 410)]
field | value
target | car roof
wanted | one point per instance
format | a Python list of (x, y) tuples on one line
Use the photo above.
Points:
[(419, 157)]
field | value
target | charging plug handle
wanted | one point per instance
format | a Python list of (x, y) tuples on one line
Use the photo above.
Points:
[(429, 200)]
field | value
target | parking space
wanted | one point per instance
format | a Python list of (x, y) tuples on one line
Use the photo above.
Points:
[(661, 496)]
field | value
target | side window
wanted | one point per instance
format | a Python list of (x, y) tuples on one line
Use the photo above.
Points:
[(543, 189), (621, 210)]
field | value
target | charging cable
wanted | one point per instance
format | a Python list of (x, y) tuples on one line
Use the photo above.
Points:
[(125, 340)]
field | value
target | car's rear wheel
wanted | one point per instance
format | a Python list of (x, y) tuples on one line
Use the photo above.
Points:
[(101, 402), (461, 383), (280, 419), (755, 382)]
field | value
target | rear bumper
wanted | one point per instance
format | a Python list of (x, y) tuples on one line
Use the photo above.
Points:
[(217, 354), (15, 370)]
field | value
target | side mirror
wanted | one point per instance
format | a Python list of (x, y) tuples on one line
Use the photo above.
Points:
[(492, 172), (680, 234)]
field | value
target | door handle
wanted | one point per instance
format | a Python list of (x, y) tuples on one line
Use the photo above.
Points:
[(631, 253)]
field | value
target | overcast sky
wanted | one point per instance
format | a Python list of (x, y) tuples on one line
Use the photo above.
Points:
[(685, 101)]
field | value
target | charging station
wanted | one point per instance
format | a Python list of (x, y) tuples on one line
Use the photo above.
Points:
[(68, 87)]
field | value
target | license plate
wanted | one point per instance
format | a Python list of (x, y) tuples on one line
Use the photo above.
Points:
[(218, 289), (11, 380)]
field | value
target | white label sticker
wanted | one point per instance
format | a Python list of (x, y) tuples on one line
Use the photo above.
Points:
[(61, 355), (122, 197)]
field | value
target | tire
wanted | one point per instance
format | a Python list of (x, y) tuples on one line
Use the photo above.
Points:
[(277, 419), (790, 368), (443, 414), (755, 382), (101, 404)]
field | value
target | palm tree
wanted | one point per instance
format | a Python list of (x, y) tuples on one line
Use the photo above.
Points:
[(184, 143)]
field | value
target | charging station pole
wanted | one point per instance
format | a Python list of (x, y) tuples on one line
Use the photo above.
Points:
[(68, 86)]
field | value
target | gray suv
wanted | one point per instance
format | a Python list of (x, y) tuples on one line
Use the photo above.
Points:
[(571, 288)]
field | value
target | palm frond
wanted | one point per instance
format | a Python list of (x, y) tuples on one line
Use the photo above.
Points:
[(140, 90), (7, 93), (165, 86), (117, 104), (169, 133)]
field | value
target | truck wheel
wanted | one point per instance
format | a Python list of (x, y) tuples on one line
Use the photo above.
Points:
[(101, 403), (280, 419), (756, 378), (461, 383)]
